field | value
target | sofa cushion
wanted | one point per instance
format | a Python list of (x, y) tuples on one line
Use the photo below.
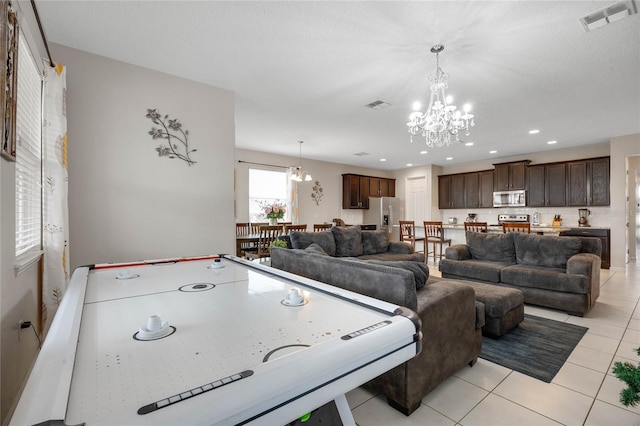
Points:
[(302, 240), (472, 269), (545, 278), (420, 270), (348, 240), (411, 257), (374, 242), (492, 247), (315, 248), (549, 251)]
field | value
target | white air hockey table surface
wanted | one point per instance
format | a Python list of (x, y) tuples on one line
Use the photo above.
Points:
[(236, 352)]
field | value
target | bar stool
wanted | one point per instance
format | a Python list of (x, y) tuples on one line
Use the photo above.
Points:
[(434, 234), (408, 233)]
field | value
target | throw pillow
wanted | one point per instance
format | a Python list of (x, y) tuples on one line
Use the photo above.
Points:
[(348, 240), (492, 247), (545, 250), (420, 270), (374, 242), (302, 240), (315, 248)]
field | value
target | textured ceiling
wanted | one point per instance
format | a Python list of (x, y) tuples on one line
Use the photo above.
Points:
[(304, 70)]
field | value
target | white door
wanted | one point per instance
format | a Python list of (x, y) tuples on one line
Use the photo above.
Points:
[(416, 188)]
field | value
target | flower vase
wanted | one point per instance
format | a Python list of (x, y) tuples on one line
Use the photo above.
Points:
[(273, 221)]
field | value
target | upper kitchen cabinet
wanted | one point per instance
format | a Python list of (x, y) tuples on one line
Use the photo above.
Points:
[(588, 182), (451, 191), (510, 176), (382, 187), (355, 192), (546, 184), (486, 188)]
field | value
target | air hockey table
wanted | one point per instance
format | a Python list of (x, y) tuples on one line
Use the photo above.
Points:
[(237, 342)]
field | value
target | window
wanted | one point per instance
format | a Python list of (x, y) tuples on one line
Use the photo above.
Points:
[(266, 186), (28, 152)]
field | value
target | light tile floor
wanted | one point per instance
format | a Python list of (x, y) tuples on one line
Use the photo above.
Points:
[(584, 392)]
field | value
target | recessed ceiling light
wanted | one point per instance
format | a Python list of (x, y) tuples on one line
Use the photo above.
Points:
[(383, 159), (492, 151), (552, 142), (449, 158), (423, 152), (534, 131), (468, 144), (409, 164)]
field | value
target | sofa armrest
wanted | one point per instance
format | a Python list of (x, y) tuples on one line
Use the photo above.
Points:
[(587, 264), (395, 247), (458, 252)]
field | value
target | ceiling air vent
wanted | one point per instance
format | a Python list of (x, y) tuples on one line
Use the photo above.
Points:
[(378, 104), (608, 15), (360, 154)]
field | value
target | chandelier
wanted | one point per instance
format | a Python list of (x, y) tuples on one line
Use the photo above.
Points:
[(442, 121), (299, 175)]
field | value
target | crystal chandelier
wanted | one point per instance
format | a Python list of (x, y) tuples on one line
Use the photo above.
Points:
[(299, 175), (442, 122)]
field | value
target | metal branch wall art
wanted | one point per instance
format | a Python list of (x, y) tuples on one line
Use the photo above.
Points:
[(317, 193), (177, 139)]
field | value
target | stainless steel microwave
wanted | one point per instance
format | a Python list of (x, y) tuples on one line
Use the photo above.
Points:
[(510, 198)]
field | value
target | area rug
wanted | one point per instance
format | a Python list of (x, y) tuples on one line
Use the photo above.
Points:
[(538, 347)]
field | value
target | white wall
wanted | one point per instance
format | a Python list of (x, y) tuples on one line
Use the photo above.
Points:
[(125, 202), (328, 174), (621, 148)]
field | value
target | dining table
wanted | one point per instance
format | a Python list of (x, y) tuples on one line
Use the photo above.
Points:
[(247, 238)]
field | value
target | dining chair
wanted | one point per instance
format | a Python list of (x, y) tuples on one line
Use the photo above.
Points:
[(289, 228), (408, 234), (268, 234), (339, 222), (475, 226), (516, 227), (434, 234), (317, 227), (242, 229), (255, 226)]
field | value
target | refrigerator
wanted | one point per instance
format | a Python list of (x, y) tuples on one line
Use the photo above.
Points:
[(385, 213)]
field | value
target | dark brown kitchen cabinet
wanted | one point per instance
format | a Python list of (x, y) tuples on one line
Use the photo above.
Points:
[(451, 191), (510, 176), (486, 188), (471, 190), (602, 233), (382, 187), (588, 182), (599, 183), (546, 184), (355, 192)]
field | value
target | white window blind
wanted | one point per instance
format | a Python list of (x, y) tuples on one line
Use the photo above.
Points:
[(28, 152)]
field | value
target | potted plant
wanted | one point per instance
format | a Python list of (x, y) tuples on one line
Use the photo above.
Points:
[(278, 243), (630, 374)]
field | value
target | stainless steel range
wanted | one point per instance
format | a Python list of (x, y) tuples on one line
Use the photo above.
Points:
[(512, 218)]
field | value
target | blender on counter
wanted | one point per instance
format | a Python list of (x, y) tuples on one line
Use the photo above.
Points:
[(583, 214)]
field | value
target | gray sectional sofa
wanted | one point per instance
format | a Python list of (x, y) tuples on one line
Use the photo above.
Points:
[(451, 318), (556, 272)]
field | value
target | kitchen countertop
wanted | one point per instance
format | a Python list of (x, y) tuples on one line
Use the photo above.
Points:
[(498, 228)]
